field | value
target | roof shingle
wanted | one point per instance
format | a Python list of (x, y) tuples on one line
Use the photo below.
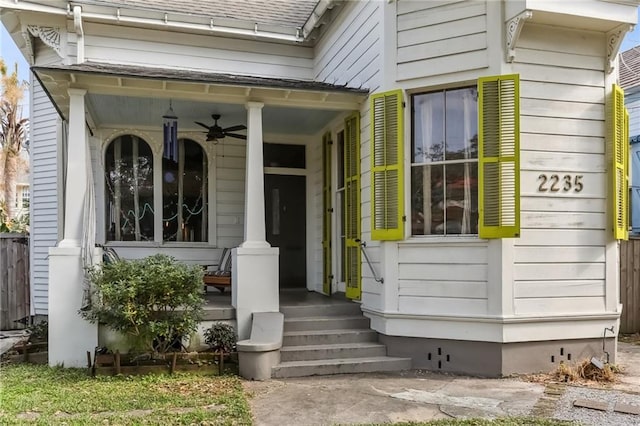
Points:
[(629, 68), (284, 13)]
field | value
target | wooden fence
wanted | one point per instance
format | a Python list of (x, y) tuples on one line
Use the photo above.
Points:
[(630, 285), (14, 281)]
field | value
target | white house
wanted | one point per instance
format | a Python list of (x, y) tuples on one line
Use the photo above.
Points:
[(471, 145)]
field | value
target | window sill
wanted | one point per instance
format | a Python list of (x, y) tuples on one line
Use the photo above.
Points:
[(168, 244), (446, 240)]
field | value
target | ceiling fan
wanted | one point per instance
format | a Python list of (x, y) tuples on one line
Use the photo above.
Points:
[(216, 132)]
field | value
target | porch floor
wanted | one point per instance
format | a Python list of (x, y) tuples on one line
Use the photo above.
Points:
[(218, 305)]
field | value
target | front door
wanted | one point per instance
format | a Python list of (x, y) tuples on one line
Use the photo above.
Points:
[(285, 218)]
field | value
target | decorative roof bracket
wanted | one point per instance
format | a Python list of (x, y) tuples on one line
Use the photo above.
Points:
[(49, 36), (614, 40), (514, 26)]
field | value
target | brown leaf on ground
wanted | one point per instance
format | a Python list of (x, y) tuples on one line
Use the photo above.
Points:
[(583, 373), (219, 386)]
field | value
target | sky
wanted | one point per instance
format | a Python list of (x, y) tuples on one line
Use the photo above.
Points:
[(11, 54), (631, 40)]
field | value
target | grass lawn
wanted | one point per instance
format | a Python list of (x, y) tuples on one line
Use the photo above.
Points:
[(31, 394)]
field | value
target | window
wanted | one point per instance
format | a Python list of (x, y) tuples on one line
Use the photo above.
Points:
[(130, 192), (444, 166), (25, 197), (184, 194), (129, 183)]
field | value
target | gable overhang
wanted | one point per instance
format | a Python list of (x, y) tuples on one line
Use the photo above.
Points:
[(146, 82), (199, 22), (593, 15)]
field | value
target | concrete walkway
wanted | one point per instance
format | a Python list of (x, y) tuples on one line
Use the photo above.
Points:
[(9, 338), (411, 396)]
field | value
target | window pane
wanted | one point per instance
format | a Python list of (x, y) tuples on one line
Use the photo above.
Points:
[(427, 200), (461, 213), (129, 185), (428, 127), (445, 134), (461, 124), (281, 155), (187, 190)]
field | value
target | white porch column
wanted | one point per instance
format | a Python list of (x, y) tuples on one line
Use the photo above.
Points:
[(76, 184), (255, 262), (254, 225), (70, 336)]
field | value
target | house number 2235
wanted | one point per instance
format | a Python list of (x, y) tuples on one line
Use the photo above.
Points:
[(556, 183)]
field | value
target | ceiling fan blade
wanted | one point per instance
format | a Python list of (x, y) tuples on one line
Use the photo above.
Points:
[(234, 128), (202, 124), (235, 135)]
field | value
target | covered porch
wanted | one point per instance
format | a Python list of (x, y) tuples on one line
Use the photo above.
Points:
[(218, 306), (235, 190)]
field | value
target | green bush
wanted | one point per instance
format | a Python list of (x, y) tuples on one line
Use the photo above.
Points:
[(221, 337), (153, 301), (39, 332), (19, 224)]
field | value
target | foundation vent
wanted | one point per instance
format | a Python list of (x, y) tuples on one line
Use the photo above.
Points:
[(563, 356), (438, 358)]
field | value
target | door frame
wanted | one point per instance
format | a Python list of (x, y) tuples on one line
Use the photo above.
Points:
[(310, 246)]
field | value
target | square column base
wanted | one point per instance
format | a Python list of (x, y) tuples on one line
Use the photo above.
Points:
[(254, 284), (70, 336)]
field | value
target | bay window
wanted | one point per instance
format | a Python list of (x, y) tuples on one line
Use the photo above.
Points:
[(444, 165)]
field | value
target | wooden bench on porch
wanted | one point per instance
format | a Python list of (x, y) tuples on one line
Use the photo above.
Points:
[(221, 277)]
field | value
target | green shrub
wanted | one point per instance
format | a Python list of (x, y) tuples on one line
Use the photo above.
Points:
[(39, 332), (221, 337), (153, 301), (19, 224)]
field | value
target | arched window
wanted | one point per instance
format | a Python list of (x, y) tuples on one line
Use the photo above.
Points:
[(129, 190), (184, 194)]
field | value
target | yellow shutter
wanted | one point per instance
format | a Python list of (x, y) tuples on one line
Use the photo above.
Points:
[(387, 176), (327, 209), (619, 134), (352, 206), (499, 156)]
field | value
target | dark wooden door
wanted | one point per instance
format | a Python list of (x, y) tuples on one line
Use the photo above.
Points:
[(285, 217)]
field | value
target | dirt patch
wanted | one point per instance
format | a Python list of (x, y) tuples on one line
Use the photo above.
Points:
[(188, 388), (634, 339)]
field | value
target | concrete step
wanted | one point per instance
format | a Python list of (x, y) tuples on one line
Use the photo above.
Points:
[(321, 310), (345, 350), (326, 323), (339, 366), (328, 337)]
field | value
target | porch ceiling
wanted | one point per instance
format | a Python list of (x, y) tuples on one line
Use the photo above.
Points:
[(127, 95)]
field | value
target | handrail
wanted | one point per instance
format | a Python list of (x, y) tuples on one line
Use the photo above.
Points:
[(363, 246)]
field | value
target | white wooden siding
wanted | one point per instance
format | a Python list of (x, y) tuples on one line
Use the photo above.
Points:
[(44, 193), (230, 180), (106, 43), (443, 278), (440, 37), (349, 51), (559, 260)]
